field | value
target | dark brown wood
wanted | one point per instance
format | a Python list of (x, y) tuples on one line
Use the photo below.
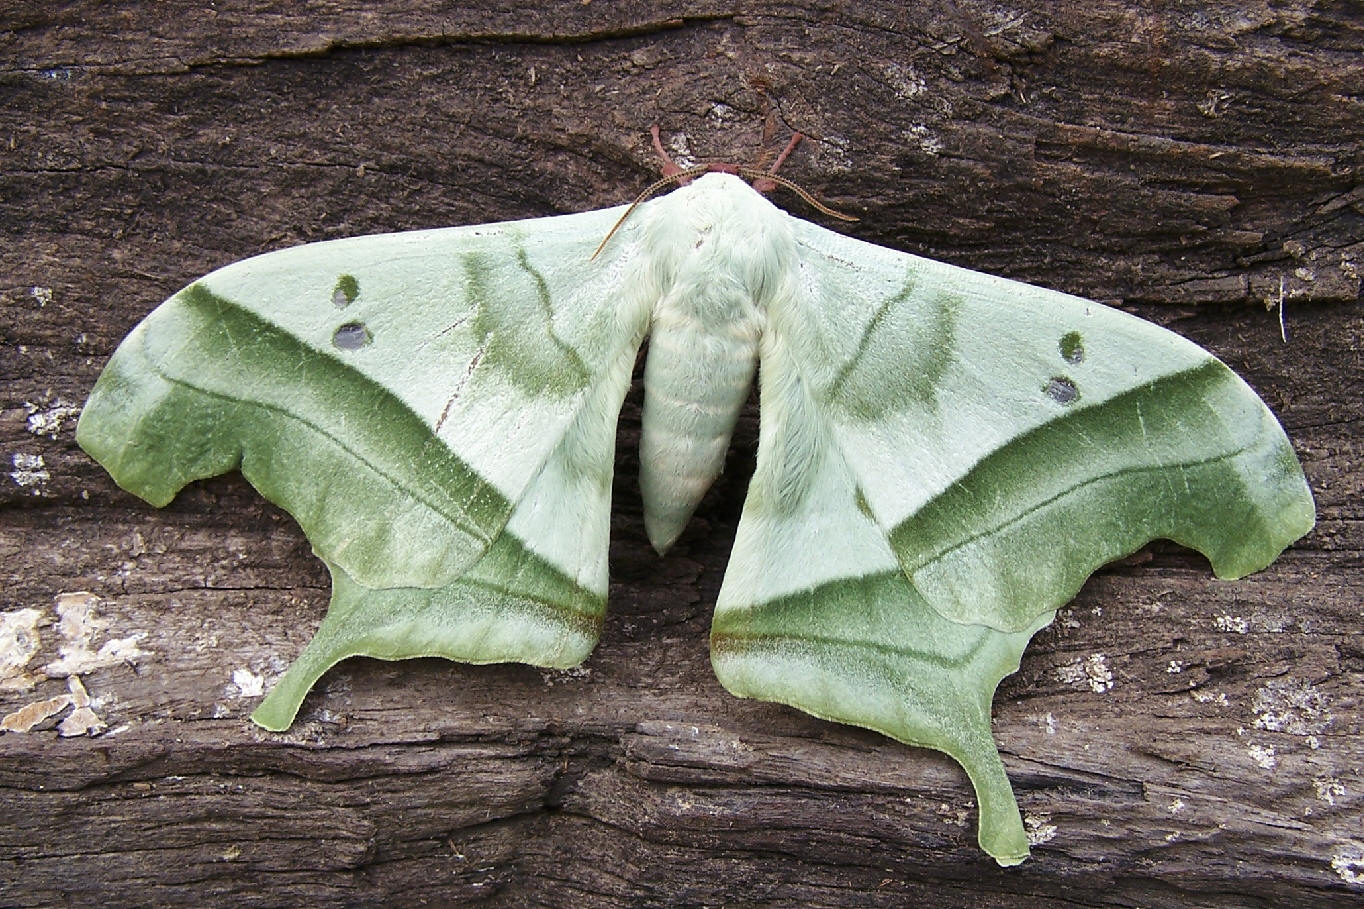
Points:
[(1174, 740)]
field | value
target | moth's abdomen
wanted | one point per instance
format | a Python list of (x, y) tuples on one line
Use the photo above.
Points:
[(719, 254), (696, 380)]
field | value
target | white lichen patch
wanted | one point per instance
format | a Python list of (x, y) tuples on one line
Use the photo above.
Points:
[(721, 113), (1216, 698), (18, 645), (926, 139), (1257, 622), (904, 80), (1328, 789), (42, 294), (1091, 671), (82, 720), (30, 472), (30, 715), (246, 684), (1231, 623), (1101, 679), (1039, 828), (48, 419), (78, 626), (1176, 805), (1262, 755), (1291, 706), (679, 146), (1174, 667), (1071, 673), (1348, 862)]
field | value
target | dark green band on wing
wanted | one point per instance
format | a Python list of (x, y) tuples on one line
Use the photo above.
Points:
[(878, 612), (1017, 535), (187, 396), (901, 355), (515, 318)]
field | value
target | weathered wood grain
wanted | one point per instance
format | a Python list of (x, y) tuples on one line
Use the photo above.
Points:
[(1174, 740)]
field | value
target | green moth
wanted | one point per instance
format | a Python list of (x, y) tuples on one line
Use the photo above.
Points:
[(944, 456)]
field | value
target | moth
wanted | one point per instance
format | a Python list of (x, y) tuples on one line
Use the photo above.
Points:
[(944, 456)]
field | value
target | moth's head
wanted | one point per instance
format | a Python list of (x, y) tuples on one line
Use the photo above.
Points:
[(719, 178), (715, 185), (712, 202)]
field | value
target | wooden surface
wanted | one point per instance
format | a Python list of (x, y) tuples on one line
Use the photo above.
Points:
[(1174, 740)]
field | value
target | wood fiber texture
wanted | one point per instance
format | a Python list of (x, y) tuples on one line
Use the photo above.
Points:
[(1173, 740)]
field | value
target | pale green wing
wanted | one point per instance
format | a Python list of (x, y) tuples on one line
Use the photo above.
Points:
[(944, 458), (436, 408), (1010, 439)]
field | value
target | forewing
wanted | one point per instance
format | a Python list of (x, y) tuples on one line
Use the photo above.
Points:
[(1008, 440), (425, 404)]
